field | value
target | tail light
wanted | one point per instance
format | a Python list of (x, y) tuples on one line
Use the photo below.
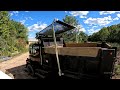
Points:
[(110, 53)]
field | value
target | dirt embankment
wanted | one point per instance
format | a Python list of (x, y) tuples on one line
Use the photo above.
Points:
[(15, 67), (118, 57)]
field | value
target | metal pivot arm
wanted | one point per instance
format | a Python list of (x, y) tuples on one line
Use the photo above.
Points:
[(56, 50)]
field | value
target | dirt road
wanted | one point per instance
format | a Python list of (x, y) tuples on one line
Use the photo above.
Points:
[(15, 67)]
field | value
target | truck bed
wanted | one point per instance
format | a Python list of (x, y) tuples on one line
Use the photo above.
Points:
[(74, 51), (77, 49)]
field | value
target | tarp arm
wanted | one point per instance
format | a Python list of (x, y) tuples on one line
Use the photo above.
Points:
[(56, 50)]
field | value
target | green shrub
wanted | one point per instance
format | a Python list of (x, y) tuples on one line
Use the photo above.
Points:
[(115, 45), (117, 69)]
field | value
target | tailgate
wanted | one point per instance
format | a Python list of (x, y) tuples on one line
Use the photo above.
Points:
[(107, 62)]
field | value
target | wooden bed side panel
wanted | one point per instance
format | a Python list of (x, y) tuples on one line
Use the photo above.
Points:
[(74, 51), (81, 45)]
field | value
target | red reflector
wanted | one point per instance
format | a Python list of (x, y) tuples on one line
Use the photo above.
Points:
[(110, 53)]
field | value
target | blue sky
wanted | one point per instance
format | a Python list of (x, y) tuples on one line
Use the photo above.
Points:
[(90, 21)]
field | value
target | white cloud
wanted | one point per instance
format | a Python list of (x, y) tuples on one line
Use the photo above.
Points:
[(81, 14), (31, 36), (14, 13), (28, 18), (116, 18), (92, 30), (22, 21), (81, 28), (26, 11), (37, 27), (11, 14), (118, 15), (98, 21), (66, 11), (94, 26), (107, 12)]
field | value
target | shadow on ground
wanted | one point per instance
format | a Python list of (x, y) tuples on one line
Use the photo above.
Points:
[(18, 72)]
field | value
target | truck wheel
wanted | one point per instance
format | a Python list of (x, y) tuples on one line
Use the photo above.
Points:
[(30, 70)]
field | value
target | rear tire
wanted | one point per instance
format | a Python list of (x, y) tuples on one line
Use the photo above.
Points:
[(30, 70)]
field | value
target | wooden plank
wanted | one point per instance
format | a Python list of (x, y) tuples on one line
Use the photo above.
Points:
[(81, 44), (74, 51)]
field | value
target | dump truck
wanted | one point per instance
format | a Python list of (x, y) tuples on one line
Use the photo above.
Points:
[(52, 58)]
